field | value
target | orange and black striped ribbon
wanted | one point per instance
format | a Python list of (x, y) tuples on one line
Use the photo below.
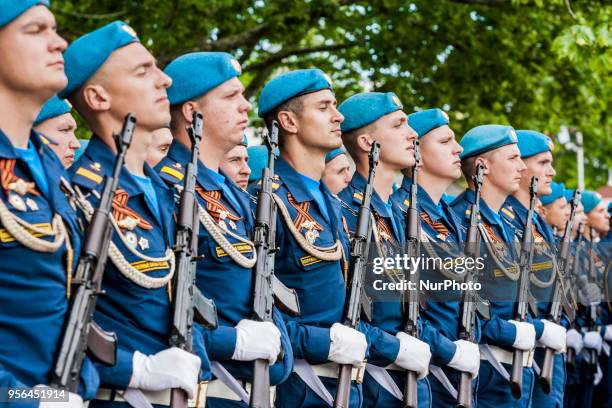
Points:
[(121, 211), (437, 226), (214, 206), (8, 176), (383, 230), (491, 233), (303, 215)]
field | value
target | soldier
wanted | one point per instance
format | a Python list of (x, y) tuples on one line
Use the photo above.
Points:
[(110, 73), (555, 209), (40, 234), (207, 82), (258, 160), (536, 153), (495, 147), (312, 243), (56, 124), (235, 165), (337, 173), (160, 145), (439, 224)]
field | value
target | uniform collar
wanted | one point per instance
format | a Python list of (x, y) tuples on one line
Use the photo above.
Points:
[(358, 183), (520, 211), (426, 204), (293, 181), (8, 151), (406, 182), (206, 178)]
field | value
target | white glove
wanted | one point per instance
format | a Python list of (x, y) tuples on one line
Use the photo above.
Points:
[(74, 401), (598, 376), (608, 333), (347, 346), (574, 340), (554, 336), (414, 354), (170, 368), (592, 340), (525, 335), (257, 340), (466, 357)]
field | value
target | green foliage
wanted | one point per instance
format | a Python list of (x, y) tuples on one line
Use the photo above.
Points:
[(534, 64)]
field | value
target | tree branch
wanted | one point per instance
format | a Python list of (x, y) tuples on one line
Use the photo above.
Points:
[(481, 2), (281, 55), (91, 16), (238, 40)]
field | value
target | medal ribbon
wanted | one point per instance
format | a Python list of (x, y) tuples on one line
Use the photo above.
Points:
[(303, 215), (121, 211), (8, 177), (214, 206), (437, 226)]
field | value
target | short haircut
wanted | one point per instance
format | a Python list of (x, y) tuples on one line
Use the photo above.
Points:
[(294, 105), (349, 139), (468, 165)]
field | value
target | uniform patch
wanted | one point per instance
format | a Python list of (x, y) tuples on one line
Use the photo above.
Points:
[(6, 236), (407, 203), (308, 260), (149, 266), (541, 266), (172, 172), (358, 196), (508, 212), (498, 272), (90, 175), (241, 247)]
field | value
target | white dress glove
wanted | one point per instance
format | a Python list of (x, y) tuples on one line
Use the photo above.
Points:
[(554, 336), (414, 354), (170, 368), (347, 346), (592, 340), (466, 358), (608, 333), (525, 335), (574, 340), (598, 375), (74, 401), (257, 340)]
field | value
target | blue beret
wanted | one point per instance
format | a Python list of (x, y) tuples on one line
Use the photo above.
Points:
[(245, 141), (334, 153), (10, 9), (590, 199), (88, 53), (425, 121), (258, 160), (79, 153), (531, 143), (569, 194), (485, 138), (290, 85), (364, 108), (52, 108), (610, 208), (558, 191), (196, 73)]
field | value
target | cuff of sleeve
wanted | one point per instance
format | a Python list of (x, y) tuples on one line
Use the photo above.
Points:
[(444, 352), (317, 344), (507, 333), (539, 328), (120, 374), (220, 343)]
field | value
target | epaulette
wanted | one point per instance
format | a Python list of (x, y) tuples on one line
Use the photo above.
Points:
[(406, 203), (88, 175), (172, 174), (509, 212), (358, 197), (468, 212), (275, 186)]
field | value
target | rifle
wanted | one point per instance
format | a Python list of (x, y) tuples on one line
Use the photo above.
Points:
[(357, 301), (522, 301), (546, 373), (189, 303), (264, 285), (410, 296), (570, 358), (471, 303), (591, 309), (82, 335)]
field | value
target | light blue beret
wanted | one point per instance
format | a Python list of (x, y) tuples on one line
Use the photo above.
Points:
[(558, 191), (79, 153), (569, 194), (88, 53), (531, 143), (258, 160), (425, 121), (485, 138), (289, 85), (334, 153), (196, 73), (245, 141), (590, 199), (364, 108), (610, 208), (11, 9), (52, 108)]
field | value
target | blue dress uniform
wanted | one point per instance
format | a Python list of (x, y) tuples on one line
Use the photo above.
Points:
[(387, 241), (34, 280), (136, 305), (219, 277), (499, 280)]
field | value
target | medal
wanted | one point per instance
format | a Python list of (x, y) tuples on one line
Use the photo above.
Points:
[(131, 239), (311, 234), (31, 204), (128, 223), (20, 186), (17, 202), (143, 243)]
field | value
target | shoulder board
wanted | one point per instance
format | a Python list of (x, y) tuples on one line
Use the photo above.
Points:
[(172, 174), (508, 211), (358, 197), (406, 203), (468, 212), (275, 185), (88, 176)]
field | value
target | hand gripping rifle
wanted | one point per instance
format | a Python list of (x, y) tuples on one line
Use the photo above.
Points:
[(522, 299), (267, 289), (471, 303), (358, 301), (410, 296), (559, 295), (189, 303), (82, 335)]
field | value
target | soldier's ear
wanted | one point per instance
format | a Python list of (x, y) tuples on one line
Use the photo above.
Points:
[(364, 142), (187, 110), (96, 97), (485, 164), (288, 122)]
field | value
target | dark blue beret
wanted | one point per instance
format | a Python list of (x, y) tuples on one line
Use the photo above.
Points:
[(196, 73), (558, 191), (87, 54), (290, 85), (425, 121), (531, 143), (485, 138), (11, 9), (364, 108), (52, 108)]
